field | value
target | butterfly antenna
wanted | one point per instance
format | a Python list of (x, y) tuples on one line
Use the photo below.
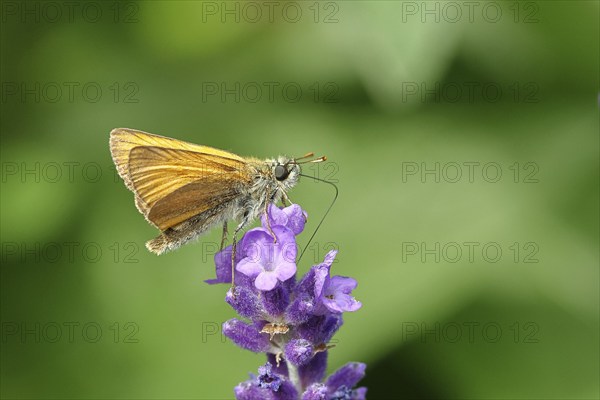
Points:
[(315, 160), (307, 155), (326, 212)]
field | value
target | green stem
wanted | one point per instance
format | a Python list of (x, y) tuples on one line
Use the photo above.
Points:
[(294, 376)]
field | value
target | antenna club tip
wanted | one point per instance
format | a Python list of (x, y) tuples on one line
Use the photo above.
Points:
[(324, 158)]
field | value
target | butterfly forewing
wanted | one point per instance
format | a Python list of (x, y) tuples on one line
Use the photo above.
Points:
[(123, 140), (174, 180)]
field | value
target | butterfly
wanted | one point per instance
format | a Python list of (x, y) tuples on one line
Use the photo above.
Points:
[(185, 189)]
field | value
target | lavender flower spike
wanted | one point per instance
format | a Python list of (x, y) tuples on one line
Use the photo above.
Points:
[(290, 321)]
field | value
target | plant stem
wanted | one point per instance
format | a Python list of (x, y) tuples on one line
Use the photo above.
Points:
[(294, 376)]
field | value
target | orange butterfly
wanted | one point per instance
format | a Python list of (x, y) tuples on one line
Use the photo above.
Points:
[(185, 189)]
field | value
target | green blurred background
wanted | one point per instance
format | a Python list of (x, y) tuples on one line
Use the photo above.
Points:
[(387, 90)]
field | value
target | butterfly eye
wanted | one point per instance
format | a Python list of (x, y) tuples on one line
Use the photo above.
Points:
[(281, 173)]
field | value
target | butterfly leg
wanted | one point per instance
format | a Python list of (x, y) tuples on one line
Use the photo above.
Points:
[(234, 248), (268, 220), (224, 237), (286, 198)]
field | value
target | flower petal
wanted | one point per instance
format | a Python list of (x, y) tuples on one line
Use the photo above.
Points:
[(284, 235), (285, 270), (266, 280), (347, 376), (329, 257), (296, 218), (222, 266), (258, 246), (342, 284), (321, 280), (342, 303), (276, 216), (336, 294), (267, 379), (249, 267), (292, 217)]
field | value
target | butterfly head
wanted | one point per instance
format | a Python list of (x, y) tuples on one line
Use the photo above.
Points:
[(286, 171)]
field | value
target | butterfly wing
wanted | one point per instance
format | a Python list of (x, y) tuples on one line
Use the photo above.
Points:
[(174, 180), (123, 140)]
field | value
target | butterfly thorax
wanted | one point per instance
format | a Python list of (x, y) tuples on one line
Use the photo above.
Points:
[(265, 187)]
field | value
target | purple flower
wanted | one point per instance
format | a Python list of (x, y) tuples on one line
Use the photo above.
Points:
[(266, 379), (292, 217), (266, 260), (223, 268), (338, 385), (276, 301), (246, 302), (304, 305), (246, 336), (290, 321), (347, 376), (268, 385), (334, 292), (299, 351), (320, 329)]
